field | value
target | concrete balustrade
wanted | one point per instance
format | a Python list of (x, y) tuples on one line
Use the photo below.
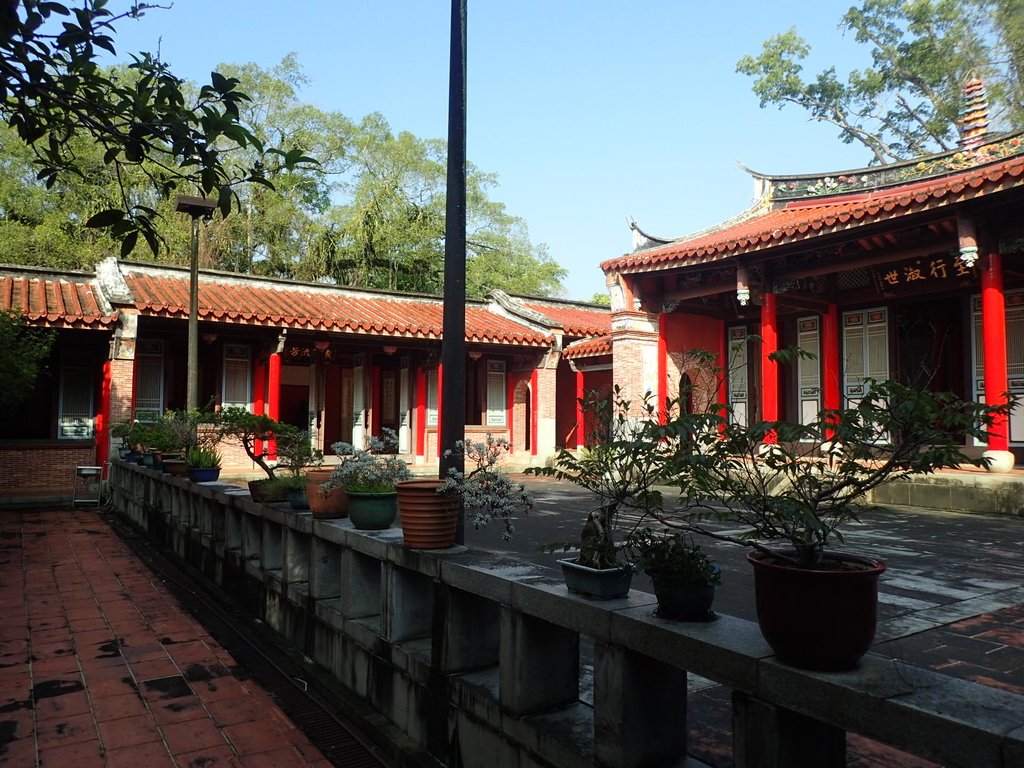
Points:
[(476, 653)]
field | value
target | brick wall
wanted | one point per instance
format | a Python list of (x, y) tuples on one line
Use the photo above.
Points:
[(45, 469)]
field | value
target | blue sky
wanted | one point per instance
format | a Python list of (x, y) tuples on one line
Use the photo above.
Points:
[(589, 111)]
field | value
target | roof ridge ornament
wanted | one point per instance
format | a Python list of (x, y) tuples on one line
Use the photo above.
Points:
[(973, 116)]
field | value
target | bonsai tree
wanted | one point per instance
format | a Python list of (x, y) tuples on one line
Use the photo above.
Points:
[(800, 483), (672, 554), (186, 430), (620, 466), (295, 452), (485, 489), (248, 428)]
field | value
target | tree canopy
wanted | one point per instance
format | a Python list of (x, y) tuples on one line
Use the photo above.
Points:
[(92, 156), (907, 102)]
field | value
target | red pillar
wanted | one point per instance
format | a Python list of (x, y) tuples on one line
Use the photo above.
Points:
[(662, 371), (534, 410), (769, 368), (831, 393), (993, 325), (440, 385), (421, 411), (581, 421), (259, 396), (103, 421), (274, 398)]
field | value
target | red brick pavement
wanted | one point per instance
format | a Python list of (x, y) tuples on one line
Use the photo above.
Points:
[(100, 665)]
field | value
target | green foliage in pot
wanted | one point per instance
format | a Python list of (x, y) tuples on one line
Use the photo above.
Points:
[(200, 456), (368, 471), (620, 467), (185, 430), (672, 553), (486, 490), (247, 428), (295, 452), (801, 483)]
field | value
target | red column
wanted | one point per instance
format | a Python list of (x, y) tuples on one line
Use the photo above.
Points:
[(581, 421), (421, 411), (662, 371), (440, 384), (103, 421), (993, 327), (831, 393), (274, 398), (259, 396), (534, 410), (769, 368)]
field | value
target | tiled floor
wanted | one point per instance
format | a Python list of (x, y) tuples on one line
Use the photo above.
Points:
[(100, 666)]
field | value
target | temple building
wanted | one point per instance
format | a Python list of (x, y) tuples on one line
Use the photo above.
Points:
[(911, 271), (342, 363)]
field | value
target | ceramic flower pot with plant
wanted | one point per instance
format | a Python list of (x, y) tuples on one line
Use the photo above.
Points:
[(484, 490), (619, 465), (684, 576), (369, 477), (800, 484), (203, 464)]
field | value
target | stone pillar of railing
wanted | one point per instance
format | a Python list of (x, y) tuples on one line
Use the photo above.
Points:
[(769, 736), (639, 709), (539, 664)]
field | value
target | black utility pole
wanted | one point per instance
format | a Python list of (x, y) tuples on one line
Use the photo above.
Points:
[(453, 343)]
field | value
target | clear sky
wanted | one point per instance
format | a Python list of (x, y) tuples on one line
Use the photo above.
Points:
[(589, 111)]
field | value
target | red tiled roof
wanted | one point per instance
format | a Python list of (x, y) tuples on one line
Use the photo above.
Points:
[(64, 301), (601, 345), (294, 305), (801, 220), (576, 320)]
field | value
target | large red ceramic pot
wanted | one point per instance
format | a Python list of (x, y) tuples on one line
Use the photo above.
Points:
[(821, 618), (428, 518)]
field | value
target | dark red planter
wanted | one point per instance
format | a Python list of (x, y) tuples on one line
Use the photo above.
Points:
[(821, 619)]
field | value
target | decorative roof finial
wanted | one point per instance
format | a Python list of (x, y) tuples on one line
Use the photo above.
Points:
[(973, 115)]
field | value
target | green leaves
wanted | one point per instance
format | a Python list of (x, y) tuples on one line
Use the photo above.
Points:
[(922, 53)]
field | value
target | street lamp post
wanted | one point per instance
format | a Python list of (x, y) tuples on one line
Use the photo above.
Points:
[(197, 208)]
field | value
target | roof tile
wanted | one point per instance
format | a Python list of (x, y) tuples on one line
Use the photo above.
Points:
[(66, 301)]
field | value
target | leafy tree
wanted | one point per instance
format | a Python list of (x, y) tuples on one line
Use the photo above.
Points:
[(923, 51), (601, 298), (23, 352), (54, 91)]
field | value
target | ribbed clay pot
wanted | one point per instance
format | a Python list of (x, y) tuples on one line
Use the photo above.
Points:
[(428, 518)]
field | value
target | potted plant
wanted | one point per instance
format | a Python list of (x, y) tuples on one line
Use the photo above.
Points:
[(430, 507), (254, 432), (203, 464), (295, 452), (369, 478), (620, 467), (184, 430), (684, 575), (800, 484)]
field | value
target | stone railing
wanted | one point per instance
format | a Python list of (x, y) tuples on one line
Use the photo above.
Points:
[(479, 654)]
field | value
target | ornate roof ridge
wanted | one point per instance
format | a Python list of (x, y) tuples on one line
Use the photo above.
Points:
[(787, 188)]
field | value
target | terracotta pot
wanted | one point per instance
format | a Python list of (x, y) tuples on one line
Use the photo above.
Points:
[(428, 518), (372, 511), (325, 506), (823, 618)]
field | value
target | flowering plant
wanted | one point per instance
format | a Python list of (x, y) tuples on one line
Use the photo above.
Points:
[(486, 490), (368, 471)]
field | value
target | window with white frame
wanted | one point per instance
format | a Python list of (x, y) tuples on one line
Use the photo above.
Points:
[(496, 393), (237, 384), (149, 380), (432, 398), (75, 420)]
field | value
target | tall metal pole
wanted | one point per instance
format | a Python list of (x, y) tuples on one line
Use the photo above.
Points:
[(453, 344), (192, 390)]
